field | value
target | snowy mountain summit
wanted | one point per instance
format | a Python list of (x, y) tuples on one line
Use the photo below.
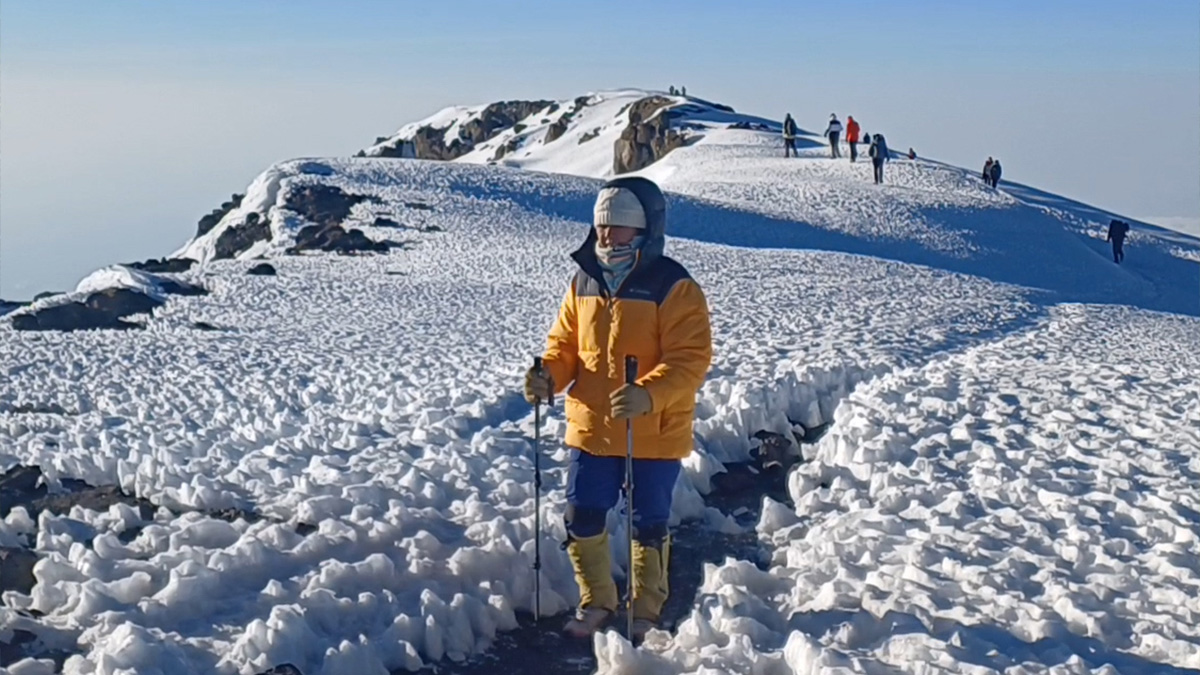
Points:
[(306, 444)]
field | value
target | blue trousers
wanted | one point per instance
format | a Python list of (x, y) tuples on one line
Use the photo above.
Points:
[(594, 483)]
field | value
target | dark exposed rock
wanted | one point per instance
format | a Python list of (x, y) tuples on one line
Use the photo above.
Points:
[(589, 136), (647, 138), (431, 143), (46, 294), (165, 265), (204, 325), (385, 222), (283, 669), (758, 126), (323, 204), (420, 206), (7, 306), (208, 222), (101, 310), (38, 409), (119, 302), (16, 569), (176, 287), (505, 149), (557, 129), (262, 270), (239, 238), (21, 479), (497, 117), (315, 169), (774, 451), (72, 316), (336, 239)]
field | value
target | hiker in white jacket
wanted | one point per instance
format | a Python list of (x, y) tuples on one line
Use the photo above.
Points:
[(832, 132)]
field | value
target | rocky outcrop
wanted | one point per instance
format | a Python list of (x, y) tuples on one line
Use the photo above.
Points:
[(262, 270), (559, 127), (6, 306), (648, 136), (101, 310), (238, 239), (104, 309), (431, 143), (324, 204), (165, 265), (336, 239), (509, 147), (208, 222)]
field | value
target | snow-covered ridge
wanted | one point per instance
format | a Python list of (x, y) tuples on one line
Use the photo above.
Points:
[(579, 136)]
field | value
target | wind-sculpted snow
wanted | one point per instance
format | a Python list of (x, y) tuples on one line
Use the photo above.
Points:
[(1024, 504), (364, 413)]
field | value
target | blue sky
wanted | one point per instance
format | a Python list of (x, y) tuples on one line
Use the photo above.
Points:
[(123, 122)]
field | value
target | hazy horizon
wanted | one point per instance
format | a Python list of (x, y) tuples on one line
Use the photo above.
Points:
[(124, 123)]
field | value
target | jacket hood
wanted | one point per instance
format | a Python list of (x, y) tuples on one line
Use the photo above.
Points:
[(654, 204)]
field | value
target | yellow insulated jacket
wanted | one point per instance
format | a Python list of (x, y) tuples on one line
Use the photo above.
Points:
[(659, 315)]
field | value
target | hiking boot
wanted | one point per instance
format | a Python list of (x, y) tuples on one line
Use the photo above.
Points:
[(640, 628), (587, 622)]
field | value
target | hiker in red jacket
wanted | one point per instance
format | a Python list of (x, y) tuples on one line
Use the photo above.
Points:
[(852, 137)]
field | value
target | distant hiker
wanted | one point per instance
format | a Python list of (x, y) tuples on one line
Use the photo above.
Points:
[(833, 131), (866, 138), (671, 90), (852, 136), (789, 136), (626, 298), (683, 91), (1117, 229), (987, 171), (879, 154), (912, 154), (994, 173)]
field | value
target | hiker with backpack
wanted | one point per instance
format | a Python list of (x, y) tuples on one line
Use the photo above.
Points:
[(852, 137), (994, 173), (626, 299), (832, 132), (1117, 229), (789, 136), (879, 154), (987, 172)]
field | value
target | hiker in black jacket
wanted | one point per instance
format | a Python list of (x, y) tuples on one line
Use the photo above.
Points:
[(878, 153), (1117, 229), (789, 136)]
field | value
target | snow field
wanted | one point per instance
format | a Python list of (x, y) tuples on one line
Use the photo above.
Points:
[(368, 409), (1027, 505)]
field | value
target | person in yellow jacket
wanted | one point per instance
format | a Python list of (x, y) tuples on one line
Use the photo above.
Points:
[(626, 299)]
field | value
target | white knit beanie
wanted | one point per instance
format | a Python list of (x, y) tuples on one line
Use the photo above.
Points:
[(619, 206)]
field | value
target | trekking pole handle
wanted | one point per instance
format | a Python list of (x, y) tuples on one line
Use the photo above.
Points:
[(537, 365), (631, 368)]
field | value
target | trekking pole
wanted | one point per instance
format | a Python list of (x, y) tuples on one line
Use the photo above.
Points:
[(631, 366), (537, 497)]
